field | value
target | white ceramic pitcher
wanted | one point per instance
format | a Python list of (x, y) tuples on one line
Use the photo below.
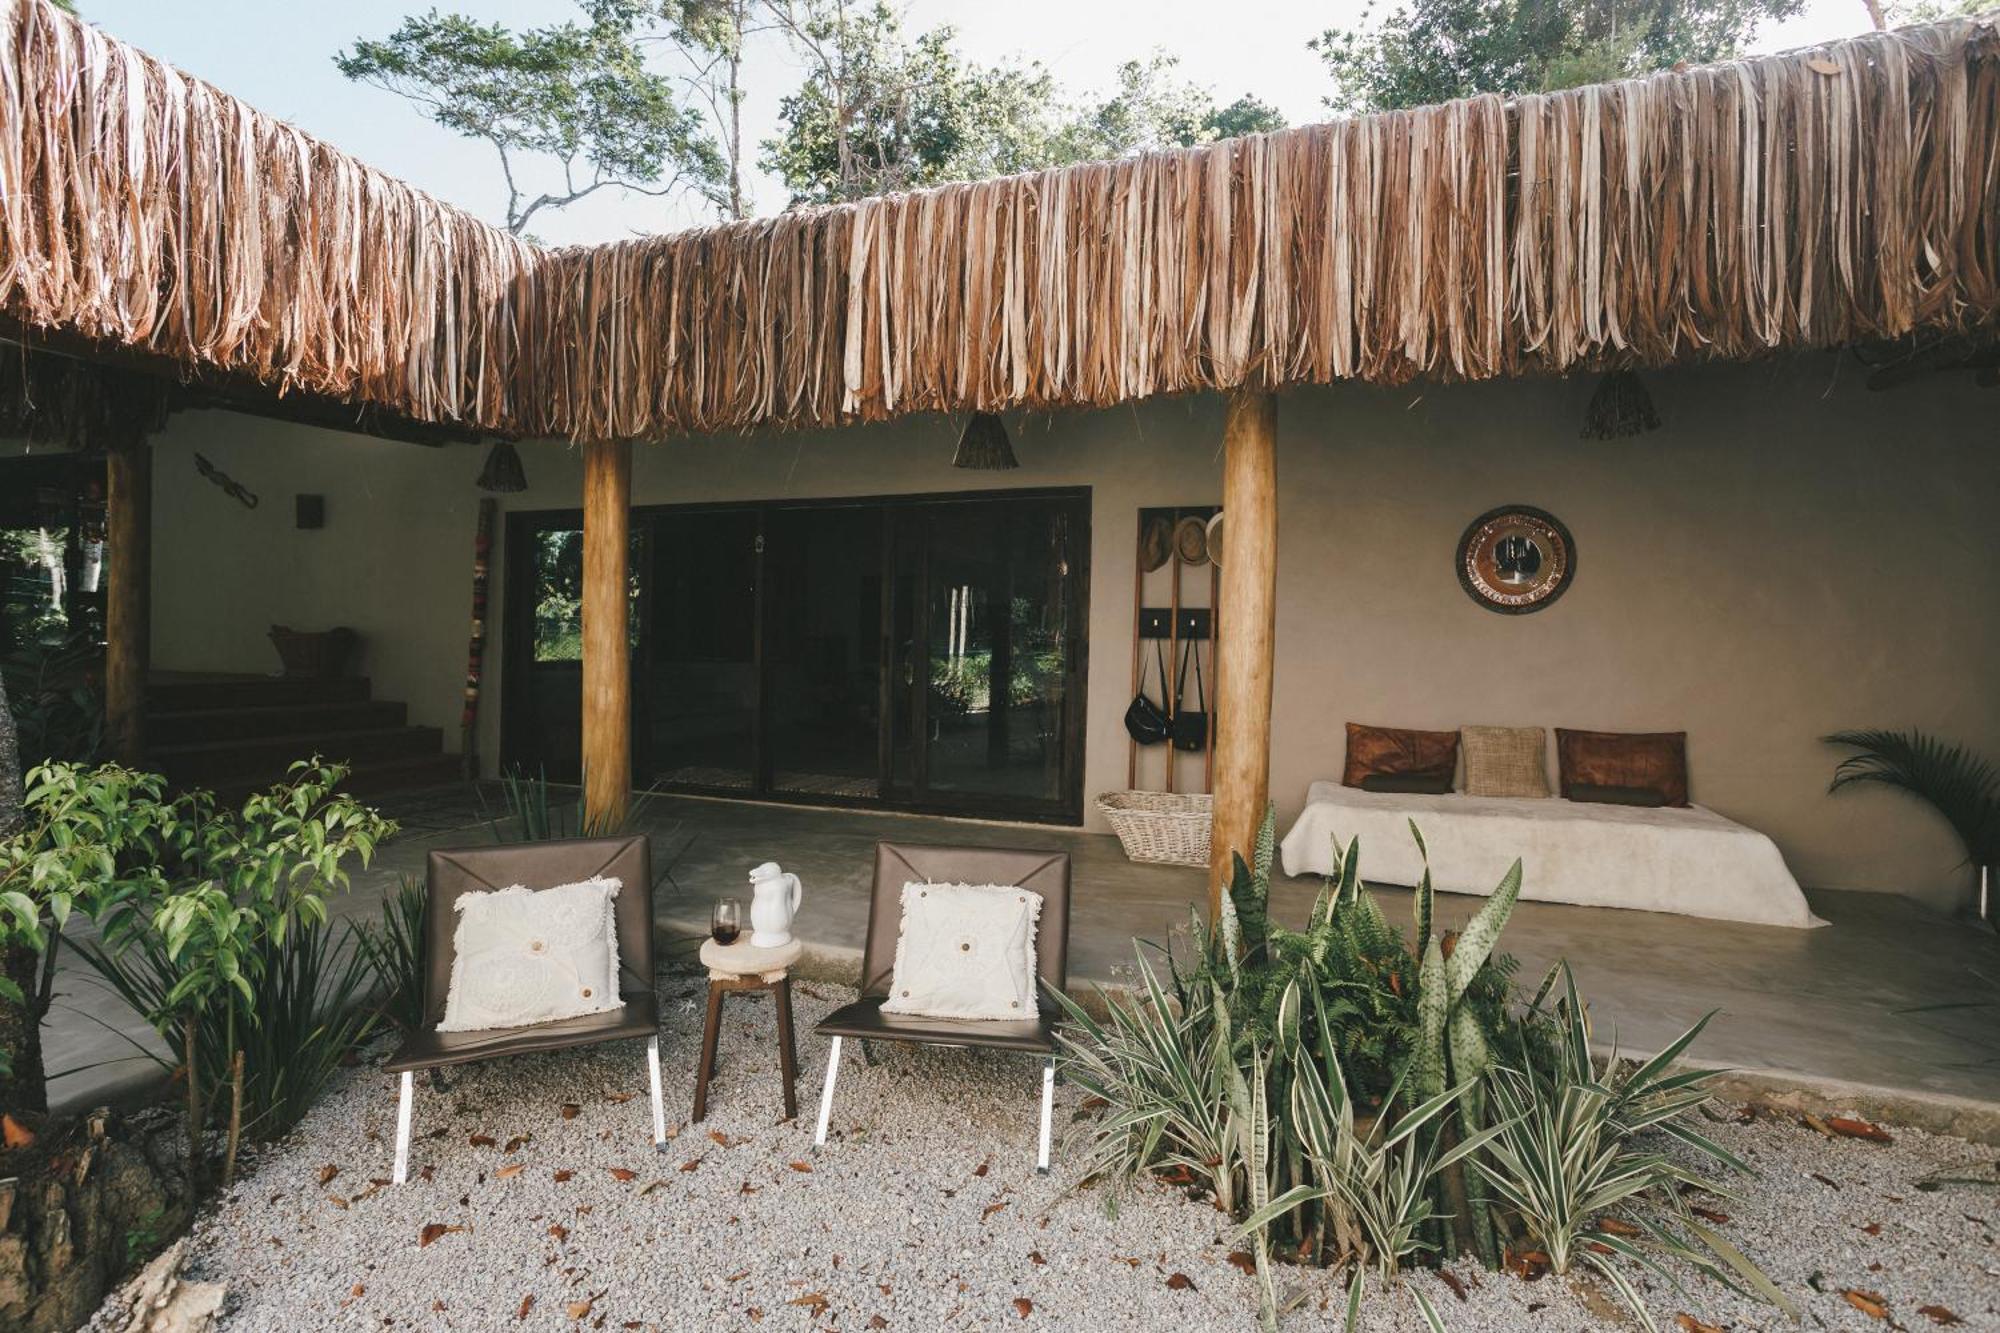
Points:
[(774, 900)]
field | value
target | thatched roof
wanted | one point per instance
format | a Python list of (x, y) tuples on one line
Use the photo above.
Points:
[(1802, 200), (148, 210)]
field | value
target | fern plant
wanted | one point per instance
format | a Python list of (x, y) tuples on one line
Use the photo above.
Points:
[(1957, 783)]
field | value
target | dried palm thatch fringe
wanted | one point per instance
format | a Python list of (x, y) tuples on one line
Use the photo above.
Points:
[(1620, 407), (1802, 200), (144, 207)]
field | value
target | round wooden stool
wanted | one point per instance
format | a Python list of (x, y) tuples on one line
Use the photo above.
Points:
[(743, 967)]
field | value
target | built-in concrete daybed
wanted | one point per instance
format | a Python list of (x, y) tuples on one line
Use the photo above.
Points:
[(1662, 859)]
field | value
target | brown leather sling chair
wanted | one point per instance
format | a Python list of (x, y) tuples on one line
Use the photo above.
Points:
[(1046, 873), (538, 865)]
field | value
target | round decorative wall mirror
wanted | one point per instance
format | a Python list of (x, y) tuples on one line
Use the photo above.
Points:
[(1516, 559)]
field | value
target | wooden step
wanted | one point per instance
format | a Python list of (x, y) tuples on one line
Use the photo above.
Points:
[(186, 694), (228, 762), (208, 725), (365, 779)]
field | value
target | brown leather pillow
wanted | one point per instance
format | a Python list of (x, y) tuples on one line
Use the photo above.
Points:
[(1391, 750), (1409, 784), (1592, 794), (1653, 761)]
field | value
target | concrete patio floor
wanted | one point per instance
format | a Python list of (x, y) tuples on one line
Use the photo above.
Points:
[(1891, 1006)]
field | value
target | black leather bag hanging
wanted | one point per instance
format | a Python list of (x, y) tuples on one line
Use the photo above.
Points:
[(1145, 721), (1190, 724)]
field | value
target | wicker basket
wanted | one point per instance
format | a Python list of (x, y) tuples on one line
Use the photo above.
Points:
[(1169, 828)]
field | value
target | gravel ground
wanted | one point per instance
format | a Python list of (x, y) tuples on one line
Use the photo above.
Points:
[(924, 1212)]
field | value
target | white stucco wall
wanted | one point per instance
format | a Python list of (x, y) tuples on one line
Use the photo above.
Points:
[(1790, 554)]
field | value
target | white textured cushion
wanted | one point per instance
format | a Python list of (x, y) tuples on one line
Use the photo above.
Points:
[(528, 956), (966, 951)]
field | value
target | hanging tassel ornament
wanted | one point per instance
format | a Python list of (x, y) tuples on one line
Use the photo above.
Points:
[(503, 470), (984, 445), (1621, 407)]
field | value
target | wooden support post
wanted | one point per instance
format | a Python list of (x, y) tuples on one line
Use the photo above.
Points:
[(1245, 630), (607, 653), (128, 599)]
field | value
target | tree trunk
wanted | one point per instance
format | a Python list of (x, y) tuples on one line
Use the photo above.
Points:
[(1244, 632), (26, 1087), (607, 662), (128, 619)]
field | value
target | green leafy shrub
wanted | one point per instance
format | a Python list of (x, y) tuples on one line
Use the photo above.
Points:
[(537, 814), (394, 950), (1572, 1157), (1340, 1089), (84, 843), (225, 951)]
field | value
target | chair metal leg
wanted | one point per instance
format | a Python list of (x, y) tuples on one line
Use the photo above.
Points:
[(659, 1108), (1048, 1108), (826, 1094), (402, 1172)]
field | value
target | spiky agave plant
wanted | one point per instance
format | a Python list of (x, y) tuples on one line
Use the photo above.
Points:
[(1576, 1154), (1957, 783)]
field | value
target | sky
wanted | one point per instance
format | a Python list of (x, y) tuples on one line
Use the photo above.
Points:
[(278, 56)]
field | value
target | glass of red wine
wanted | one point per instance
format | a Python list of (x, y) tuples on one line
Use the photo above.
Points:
[(725, 923)]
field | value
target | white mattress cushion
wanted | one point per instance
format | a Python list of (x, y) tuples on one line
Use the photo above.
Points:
[(966, 951), (1689, 860), (526, 956)]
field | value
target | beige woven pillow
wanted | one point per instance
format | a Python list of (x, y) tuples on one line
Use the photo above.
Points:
[(1505, 761)]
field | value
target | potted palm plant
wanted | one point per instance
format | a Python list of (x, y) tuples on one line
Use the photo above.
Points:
[(1957, 783)]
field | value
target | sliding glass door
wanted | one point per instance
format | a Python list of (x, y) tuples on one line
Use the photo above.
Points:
[(993, 660), (920, 653)]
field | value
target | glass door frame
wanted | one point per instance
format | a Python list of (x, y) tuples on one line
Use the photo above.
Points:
[(517, 624)]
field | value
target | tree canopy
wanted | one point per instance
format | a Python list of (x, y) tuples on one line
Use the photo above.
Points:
[(577, 97), (1426, 51), (877, 111)]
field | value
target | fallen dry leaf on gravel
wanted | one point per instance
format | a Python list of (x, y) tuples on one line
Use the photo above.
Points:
[(561, 1176), (815, 1301), (1455, 1282), (877, 1321), (1937, 1314), (623, 1173), (1023, 1306), (570, 1110), (1869, 1303), (991, 1209), (484, 1141), (328, 1172), (1244, 1260), (802, 1166), (1180, 1282), (1616, 1226), (1687, 1323), (527, 1304), (433, 1231), (619, 1098), (1709, 1215), (722, 1140), (1848, 1128), (518, 1142), (559, 1231), (509, 1171)]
